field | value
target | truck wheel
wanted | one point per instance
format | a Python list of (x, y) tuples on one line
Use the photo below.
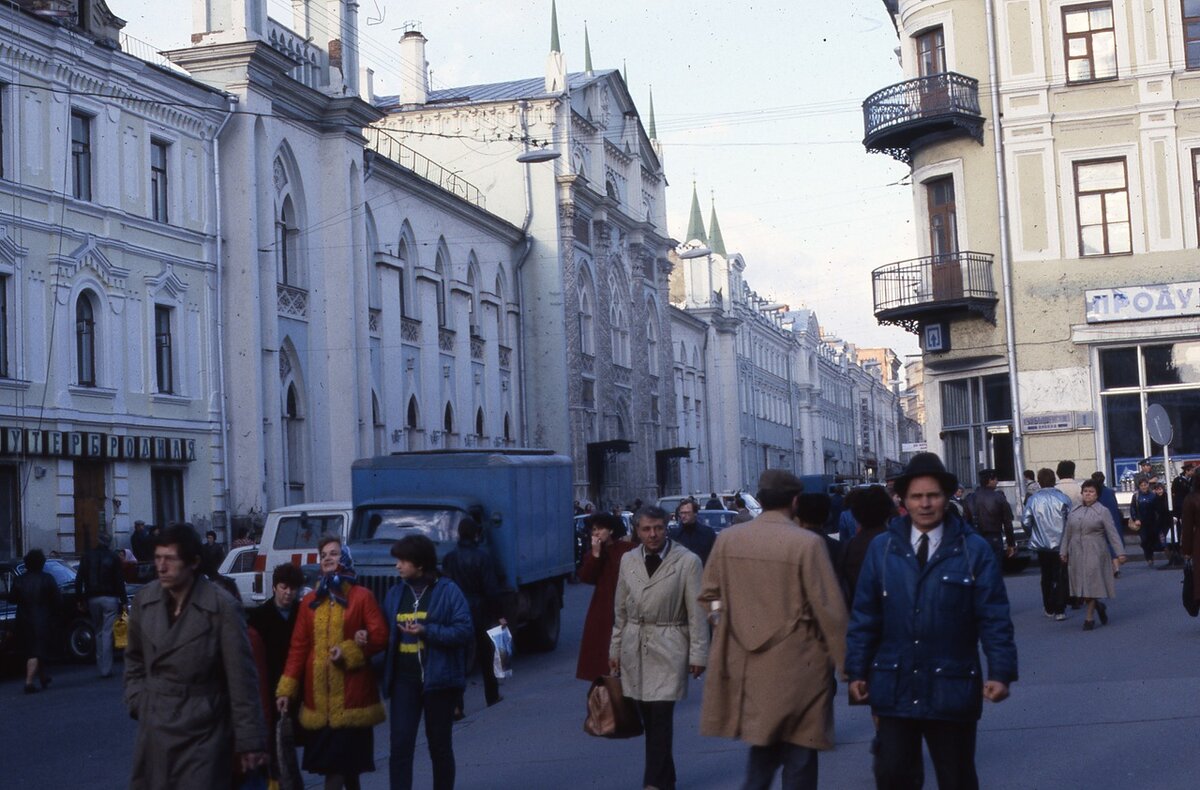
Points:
[(81, 641), (541, 635)]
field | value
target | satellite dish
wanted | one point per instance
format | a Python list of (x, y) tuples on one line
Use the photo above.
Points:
[(1158, 423)]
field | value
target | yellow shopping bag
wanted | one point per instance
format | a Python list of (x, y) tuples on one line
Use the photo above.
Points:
[(121, 631)]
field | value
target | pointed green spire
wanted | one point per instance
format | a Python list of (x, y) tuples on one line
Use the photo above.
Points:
[(696, 223), (554, 45), (587, 50), (653, 130), (716, 242)]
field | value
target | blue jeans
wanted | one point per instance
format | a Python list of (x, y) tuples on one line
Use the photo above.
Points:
[(408, 702), (103, 611)]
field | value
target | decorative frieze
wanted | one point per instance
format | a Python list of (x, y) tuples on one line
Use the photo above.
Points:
[(410, 330), (291, 301)]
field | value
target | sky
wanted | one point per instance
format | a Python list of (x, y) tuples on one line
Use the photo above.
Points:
[(758, 103)]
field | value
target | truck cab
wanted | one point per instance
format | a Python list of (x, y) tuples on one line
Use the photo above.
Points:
[(522, 500)]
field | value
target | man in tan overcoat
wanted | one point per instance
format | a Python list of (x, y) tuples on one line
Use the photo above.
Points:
[(780, 633), (189, 678)]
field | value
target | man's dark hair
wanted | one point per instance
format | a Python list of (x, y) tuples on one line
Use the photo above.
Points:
[(812, 509), (288, 574), (1028, 473), (688, 501), (417, 549), (468, 530), (651, 512), (614, 524), (776, 498), (185, 540), (1045, 477), (1092, 484), (986, 476), (210, 534), (738, 501), (1098, 477), (35, 560), (871, 507), (1065, 469)]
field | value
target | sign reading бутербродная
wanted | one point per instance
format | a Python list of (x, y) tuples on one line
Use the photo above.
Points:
[(1135, 302)]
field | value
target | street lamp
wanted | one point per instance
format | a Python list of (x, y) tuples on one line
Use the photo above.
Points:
[(695, 252), (535, 155)]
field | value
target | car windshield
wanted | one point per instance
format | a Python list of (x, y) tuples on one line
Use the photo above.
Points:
[(715, 519), (388, 524), (58, 570), (302, 531)]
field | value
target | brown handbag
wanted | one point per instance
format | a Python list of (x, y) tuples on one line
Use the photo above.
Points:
[(610, 714)]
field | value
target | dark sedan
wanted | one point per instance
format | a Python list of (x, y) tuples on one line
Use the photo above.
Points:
[(77, 641)]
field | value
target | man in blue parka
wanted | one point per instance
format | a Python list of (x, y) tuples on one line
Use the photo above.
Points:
[(929, 594)]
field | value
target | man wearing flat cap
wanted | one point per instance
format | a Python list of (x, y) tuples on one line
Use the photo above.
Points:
[(929, 594), (779, 633)]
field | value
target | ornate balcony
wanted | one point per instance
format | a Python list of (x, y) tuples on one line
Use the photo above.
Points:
[(908, 293), (903, 117)]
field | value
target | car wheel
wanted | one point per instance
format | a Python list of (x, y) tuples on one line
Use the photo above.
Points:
[(81, 641)]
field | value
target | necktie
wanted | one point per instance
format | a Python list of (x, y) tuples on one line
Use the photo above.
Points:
[(923, 550), (652, 563)]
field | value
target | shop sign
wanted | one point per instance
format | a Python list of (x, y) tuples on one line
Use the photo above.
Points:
[(87, 444), (1047, 423), (1138, 302)]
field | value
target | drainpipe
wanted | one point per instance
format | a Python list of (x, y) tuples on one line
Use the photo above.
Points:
[(520, 265), (220, 249), (1010, 339)]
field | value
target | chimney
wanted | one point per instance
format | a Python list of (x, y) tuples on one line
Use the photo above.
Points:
[(414, 71)]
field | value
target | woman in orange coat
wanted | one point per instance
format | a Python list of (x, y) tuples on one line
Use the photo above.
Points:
[(338, 628)]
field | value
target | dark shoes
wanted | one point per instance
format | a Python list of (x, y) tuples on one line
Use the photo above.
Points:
[(30, 688), (1089, 625)]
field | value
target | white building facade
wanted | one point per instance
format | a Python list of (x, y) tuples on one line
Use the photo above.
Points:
[(109, 367), (592, 276)]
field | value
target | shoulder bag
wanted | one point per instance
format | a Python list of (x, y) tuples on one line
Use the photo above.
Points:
[(610, 714)]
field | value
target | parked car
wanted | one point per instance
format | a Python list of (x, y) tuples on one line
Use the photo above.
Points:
[(239, 566), (583, 536), (717, 520), (669, 503), (77, 641)]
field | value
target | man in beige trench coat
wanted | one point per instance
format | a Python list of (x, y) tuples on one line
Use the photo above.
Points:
[(780, 633)]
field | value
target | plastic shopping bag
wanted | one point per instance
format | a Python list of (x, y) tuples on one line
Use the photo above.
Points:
[(502, 641)]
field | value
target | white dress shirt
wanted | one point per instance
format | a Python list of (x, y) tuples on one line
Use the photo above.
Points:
[(935, 539)]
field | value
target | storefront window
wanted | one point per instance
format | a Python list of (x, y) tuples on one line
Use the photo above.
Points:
[(1131, 380), (977, 427)]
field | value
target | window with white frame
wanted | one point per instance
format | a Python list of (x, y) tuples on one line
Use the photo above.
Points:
[(1090, 42), (85, 340), (158, 180), (1102, 207), (4, 325), (1191, 33), (164, 363), (81, 155)]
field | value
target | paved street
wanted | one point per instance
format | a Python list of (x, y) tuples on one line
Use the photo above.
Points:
[(1114, 708)]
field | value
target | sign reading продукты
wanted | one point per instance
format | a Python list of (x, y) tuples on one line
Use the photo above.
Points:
[(1135, 302)]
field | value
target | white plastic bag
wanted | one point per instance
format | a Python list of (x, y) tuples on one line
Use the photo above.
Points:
[(502, 641)]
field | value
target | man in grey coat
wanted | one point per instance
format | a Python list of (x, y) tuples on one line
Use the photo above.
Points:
[(190, 681)]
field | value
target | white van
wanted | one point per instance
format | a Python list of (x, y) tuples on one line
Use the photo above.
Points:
[(290, 534)]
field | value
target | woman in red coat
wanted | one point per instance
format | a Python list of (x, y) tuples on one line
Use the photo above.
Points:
[(600, 567), (338, 628)]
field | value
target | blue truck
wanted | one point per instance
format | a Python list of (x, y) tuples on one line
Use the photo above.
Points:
[(521, 498)]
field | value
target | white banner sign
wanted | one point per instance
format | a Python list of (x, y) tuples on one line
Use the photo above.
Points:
[(1136, 302), (914, 447)]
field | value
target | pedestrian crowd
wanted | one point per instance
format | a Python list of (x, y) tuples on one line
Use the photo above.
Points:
[(893, 591)]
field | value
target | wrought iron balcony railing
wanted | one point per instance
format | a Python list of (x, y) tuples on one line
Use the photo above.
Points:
[(909, 292), (908, 114)]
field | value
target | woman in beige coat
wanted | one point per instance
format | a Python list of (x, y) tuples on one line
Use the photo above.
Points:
[(659, 636), (1086, 542)]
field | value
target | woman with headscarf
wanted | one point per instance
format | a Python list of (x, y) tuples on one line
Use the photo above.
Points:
[(600, 567), (338, 628), (38, 601)]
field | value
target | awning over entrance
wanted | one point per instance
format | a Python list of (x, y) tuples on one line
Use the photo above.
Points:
[(598, 455), (663, 467)]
